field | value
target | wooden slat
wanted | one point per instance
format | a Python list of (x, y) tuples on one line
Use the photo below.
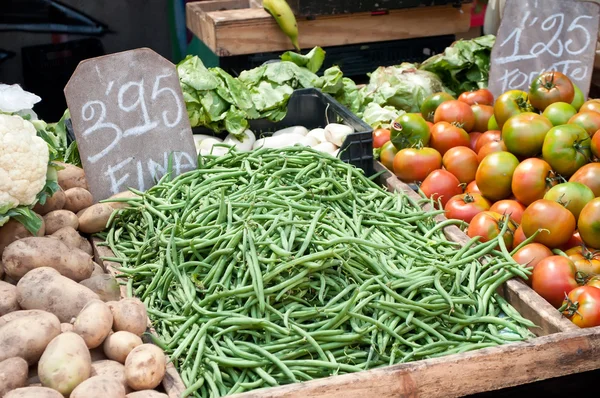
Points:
[(253, 30)]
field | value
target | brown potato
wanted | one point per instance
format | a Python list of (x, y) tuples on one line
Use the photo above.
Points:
[(11, 316), (54, 202), (65, 363), (70, 237), (58, 219), (71, 176), (146, 394), (145, 367), (8, 298), (13, 374), (28, 336), (34, 392), (93, 323), (78, 199), (26, 254), (66, 327), (104, 285), (99, 386), (14, 230), (94, 218), (130, 315), (119, 344), (121, 195), (45, 289), (112, 369)]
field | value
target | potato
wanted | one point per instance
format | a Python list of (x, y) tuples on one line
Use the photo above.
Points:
[(71, 176), (94, 218), (65, 363), (78, 199), (99, 386), (104, 285), (45, 289), (66, 327), (26, 254), (58, 219), (119, 344), (19, 314), (98, 270), (130, 315), (54, 202), (28, 336), (145, 367), (33, 392), (121, 205), (71, 238), (146, 394), (8, 298), (14, 230), (93, 323), (112, 369), (13, 374)]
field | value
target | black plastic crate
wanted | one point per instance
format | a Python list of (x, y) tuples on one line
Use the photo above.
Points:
[(331, 7), (313, 109)]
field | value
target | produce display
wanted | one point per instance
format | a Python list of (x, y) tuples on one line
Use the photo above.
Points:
[(522, 167)]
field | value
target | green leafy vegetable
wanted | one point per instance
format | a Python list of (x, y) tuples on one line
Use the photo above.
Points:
[(377, 116)]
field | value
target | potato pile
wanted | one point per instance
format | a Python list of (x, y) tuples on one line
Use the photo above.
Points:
[(64, 329)]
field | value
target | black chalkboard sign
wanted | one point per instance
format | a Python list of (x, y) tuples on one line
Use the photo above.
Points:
[(544, 35)]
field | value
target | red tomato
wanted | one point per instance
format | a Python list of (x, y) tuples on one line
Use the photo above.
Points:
[(482, 96), (487, 137), (457, 113), (482, 114), (556, 222), (441, 185), (509, 104), (431, 103), (566, 148), (488, 225), (415, 164), (553, 278), (445, 136), (588, 175), (380, 137), (509, 207), (491, 147), (583, 306), (573, 242), (551, 87), (586, 261), (466, 206), (595, 145), (592, 105), (494, 175), (532, 179), (588, 120), (387, 154), (589, 223), (524, 133), (530, 255), (462, 162), (472, 188), (474, 137), (572, 195), (519, 237)]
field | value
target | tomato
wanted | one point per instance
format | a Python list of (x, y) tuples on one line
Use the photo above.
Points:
[(592, 105), (586, 261), (494, 175), (492, 124), (589, 223), (410, 130), (582, 306), (550, 87), (519, 237), (589, 121), (445, 136), (462, 162), (487, 137), (466, 206), (532, 179), (472, 188), (488, 225), (553, 278), (380, 137), (415, 164), (566, 148), (441, 185), (572, 195), (431, 103), (589, 175), (595, 145), (457, 113), (573, 242), (559, 113), (524, 133), (387, 154), (494, 146), (556, 222), (594, 281), (473, 138), (531, 254), (509, 104), (579, 98), (482, 114), (482, 96), (509, 207)]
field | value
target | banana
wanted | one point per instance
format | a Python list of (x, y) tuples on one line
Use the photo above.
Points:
[(281, 11)]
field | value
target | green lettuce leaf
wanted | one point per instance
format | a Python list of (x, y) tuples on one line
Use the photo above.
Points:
[(377, 116)]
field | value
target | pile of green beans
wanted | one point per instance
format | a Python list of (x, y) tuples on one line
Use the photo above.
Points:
[(278, 266)]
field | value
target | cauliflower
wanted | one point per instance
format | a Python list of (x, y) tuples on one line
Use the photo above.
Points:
[(23, 162)]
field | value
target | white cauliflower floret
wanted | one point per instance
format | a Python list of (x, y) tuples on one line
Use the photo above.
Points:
[(23, 162)]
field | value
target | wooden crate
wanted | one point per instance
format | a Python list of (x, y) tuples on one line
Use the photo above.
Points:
[(237, 27)]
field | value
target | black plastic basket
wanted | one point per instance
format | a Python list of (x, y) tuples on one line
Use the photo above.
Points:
[(313, 109)]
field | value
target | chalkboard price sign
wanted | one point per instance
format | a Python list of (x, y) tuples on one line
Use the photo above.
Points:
[(544, 35), (129, 118)]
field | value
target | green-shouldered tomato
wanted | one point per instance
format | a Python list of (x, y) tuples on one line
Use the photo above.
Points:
[(550, 87), (567, 148), (524, 133)]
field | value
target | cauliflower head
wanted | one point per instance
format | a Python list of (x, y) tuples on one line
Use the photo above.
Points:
[(23, 162)]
